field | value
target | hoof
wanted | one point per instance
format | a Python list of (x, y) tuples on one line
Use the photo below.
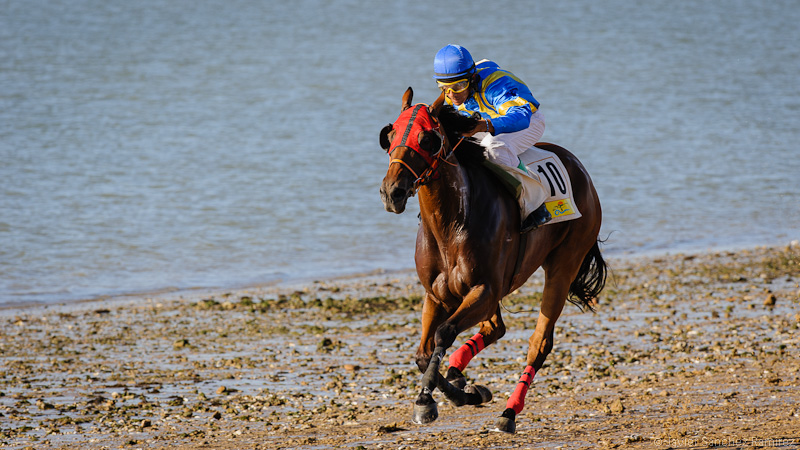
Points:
[(425, 410), (424, 414), (506, 423), (477, 395), (456, 378)]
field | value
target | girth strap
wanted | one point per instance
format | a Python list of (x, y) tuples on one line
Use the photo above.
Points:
[(523, 244)]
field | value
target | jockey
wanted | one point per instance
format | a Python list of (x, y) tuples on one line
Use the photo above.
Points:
[(512, 122)]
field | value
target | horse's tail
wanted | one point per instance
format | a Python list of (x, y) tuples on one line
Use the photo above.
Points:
[(590, 280)]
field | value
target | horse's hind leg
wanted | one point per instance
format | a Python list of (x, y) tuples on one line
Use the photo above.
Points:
[(556, 289)]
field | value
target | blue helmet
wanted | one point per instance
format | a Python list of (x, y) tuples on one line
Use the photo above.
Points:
[(452, 61)]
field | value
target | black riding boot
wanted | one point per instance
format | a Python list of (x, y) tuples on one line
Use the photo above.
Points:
[(536, 219)]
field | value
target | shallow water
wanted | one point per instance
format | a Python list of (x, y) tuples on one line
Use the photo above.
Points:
[(150, 146)]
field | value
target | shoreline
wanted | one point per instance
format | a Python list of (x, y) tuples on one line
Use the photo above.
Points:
[(685, 348), (625, 256)]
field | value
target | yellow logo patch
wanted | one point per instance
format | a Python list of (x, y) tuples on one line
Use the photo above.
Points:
[(559, 208)]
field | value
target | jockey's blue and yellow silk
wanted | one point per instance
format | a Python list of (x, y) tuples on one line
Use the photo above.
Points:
[(501, 97)]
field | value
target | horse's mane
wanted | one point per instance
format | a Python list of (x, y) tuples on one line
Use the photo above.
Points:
[(469, 152)]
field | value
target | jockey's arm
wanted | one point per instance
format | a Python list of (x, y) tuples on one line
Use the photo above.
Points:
[(508, 99), (514, 119)]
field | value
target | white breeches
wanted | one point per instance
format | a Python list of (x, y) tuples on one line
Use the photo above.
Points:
[(503, 150)]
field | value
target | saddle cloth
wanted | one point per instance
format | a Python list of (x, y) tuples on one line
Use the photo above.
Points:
[(554, 176)]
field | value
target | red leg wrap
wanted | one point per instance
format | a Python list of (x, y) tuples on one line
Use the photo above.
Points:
[(517, 399), (461, 357)]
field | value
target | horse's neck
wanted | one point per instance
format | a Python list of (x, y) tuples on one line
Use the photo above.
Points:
[(444, 203)]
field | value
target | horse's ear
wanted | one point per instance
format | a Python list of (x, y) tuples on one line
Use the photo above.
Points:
[(384, 138), (436, 106), (409, 94), (430, 141)]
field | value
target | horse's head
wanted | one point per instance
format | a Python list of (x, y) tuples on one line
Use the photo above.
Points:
[(414, 145)]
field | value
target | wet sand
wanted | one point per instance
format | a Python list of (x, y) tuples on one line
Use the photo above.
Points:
[(684, 351)]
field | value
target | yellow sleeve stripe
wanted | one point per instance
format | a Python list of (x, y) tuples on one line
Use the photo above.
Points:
[(517, 101)]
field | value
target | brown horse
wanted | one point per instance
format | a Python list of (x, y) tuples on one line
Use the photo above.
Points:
[(470, 253)]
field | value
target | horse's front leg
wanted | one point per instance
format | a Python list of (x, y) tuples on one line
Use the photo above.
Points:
[(475, 308), (491, 331), (433, 315)]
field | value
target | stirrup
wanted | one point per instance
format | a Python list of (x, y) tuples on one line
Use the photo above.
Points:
[(537, 218)]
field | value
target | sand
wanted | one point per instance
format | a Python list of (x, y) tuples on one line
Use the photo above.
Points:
[(684, 351)]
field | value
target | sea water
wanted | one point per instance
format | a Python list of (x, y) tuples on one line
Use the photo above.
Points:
[(148, 146)]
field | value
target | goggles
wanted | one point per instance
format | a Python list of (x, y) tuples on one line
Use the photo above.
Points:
[(456, 87)]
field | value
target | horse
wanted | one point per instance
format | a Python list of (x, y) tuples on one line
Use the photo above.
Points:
[(470, 253)]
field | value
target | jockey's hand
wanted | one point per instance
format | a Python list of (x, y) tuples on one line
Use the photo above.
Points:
[(484, 126)]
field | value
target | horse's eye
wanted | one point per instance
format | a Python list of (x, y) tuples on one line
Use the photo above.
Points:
[(429, 141)]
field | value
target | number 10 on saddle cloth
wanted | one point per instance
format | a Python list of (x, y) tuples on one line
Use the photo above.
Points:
[(553, 176)]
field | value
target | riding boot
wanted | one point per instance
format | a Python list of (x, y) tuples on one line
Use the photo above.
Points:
[(528, 190), (537, 218)]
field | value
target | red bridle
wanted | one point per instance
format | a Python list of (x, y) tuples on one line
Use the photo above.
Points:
[(414, 121)]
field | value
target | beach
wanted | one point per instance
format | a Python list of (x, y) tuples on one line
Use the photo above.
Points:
[(684, 351), (208, 177)]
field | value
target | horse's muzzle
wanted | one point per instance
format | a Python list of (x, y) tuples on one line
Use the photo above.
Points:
[(395, 197)]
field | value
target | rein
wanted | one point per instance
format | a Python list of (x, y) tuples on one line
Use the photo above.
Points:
[(432, 171)]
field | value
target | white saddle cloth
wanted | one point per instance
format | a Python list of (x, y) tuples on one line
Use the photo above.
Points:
[(553, 174)]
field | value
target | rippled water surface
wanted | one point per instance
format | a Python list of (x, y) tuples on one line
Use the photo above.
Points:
[(157, 145)]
